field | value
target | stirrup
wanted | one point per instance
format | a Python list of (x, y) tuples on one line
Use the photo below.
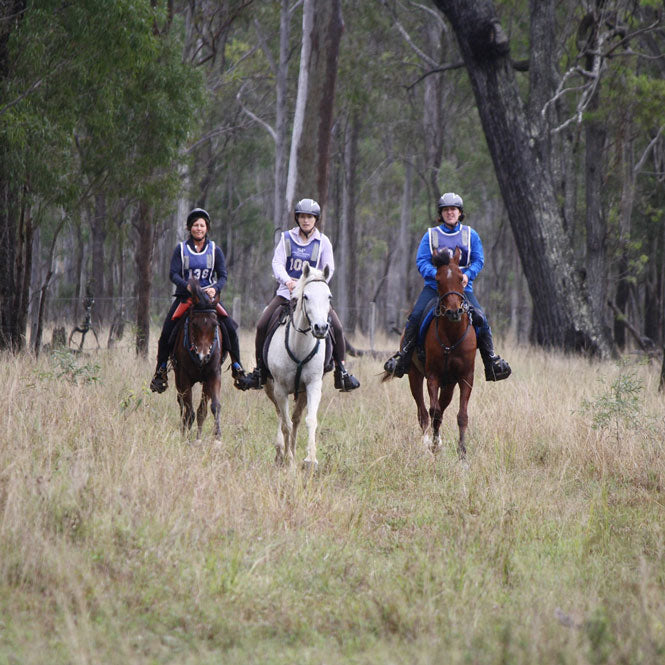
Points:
[(396, 365), (160, 382), (345, 381), (249, 381), (497, 369)]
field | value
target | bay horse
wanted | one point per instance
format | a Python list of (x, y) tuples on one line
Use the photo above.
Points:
[(450, 353), (295, 359), (197, 357)]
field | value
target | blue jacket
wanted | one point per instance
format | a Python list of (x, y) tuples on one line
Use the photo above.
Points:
[(427, 269), (175, 271)]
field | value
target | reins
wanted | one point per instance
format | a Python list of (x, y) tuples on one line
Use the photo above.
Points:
[(447, 350), (300, 363)]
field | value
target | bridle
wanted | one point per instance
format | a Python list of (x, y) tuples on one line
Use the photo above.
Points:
[(301, 303), (300, 364), (455, 317), (191, 347)]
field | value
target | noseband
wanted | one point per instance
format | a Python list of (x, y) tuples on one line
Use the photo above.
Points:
[(301, 302), (191, 347), (450, 314)]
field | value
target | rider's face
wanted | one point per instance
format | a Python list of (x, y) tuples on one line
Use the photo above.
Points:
[(199, 229), (450, 216), (306, 222)]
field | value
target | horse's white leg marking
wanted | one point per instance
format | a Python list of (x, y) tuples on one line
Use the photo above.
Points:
[(313, 400)]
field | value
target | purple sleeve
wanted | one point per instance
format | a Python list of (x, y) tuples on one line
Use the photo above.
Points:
[(175, 271), (220, 269), (327, 258), (279, 263)]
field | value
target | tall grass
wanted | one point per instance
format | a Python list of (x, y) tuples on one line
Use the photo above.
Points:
[(122, 543)]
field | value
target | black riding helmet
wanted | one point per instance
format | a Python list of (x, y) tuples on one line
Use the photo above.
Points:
[(198, 213)]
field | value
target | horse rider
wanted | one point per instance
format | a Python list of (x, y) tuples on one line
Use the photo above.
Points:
[(450, 234), (198, 257), (302, 243)]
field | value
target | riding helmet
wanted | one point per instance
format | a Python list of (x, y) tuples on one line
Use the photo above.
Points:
[(452, 200), (307, 207), (195, 214)]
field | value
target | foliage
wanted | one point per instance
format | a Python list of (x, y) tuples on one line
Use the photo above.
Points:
[(68, 365), (619, 404)]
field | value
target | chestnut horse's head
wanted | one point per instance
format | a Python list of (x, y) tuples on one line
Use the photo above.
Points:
[(449, 280)]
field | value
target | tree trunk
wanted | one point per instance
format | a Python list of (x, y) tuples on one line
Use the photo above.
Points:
[(562, 314), (143, 258), (281, 121), (399, 260), (346, 270), (98, 230), (310, 142)]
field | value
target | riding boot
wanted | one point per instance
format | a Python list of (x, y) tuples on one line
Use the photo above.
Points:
[(237, 372), (496, 368), (254, 380), (398, 365), (160, 382), (343, 380)]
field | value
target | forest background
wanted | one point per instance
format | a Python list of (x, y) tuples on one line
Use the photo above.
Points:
[(547, 117)]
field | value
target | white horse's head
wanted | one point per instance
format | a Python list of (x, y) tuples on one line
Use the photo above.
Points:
[(313, 298)]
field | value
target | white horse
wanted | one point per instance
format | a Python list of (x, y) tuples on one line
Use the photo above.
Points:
[(295, 359)]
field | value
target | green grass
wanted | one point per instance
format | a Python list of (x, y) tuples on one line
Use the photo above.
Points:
[(122, 543)]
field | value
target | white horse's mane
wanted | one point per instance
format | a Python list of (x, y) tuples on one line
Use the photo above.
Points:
[(314, 274)]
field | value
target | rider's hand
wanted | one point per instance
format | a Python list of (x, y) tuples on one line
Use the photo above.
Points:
[(291, 284), (210, 291), (465, 281)]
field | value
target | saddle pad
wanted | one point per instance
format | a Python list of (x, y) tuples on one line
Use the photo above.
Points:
[(426, 319)]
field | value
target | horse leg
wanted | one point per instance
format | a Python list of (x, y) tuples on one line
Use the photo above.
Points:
[(301, 402), (313, 400), (284, 434), (445, 397), (416, 385), (201, 414), (465, 387), (279, 438), (212, 389), (186, 408), (435, 411)]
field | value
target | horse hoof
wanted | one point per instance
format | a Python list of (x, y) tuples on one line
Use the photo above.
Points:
[(217, 444), (310, 467)]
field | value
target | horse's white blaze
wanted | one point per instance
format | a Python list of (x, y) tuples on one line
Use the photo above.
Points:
[(311, 313)]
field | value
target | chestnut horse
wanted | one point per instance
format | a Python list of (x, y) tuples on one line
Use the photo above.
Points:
[(197, 358), (450, 353)]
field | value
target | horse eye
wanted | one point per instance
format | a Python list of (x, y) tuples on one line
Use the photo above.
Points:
[(304, 297)]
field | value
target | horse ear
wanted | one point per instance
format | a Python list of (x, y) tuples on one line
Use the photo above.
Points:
[(326, 272), (458, 255), (305, 269)]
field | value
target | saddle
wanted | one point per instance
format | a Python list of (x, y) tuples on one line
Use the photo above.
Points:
[(278, 318)]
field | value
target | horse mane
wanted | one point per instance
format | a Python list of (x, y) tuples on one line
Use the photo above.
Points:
[(200, 297), (441, 257), (314, 274)]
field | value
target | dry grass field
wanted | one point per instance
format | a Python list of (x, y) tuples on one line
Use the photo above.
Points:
[(121, 543)]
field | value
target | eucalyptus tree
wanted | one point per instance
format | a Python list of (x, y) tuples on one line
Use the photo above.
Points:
[(85, 121)]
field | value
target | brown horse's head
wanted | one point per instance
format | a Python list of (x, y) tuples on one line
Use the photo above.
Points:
[(202, 329), (449, 280)]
